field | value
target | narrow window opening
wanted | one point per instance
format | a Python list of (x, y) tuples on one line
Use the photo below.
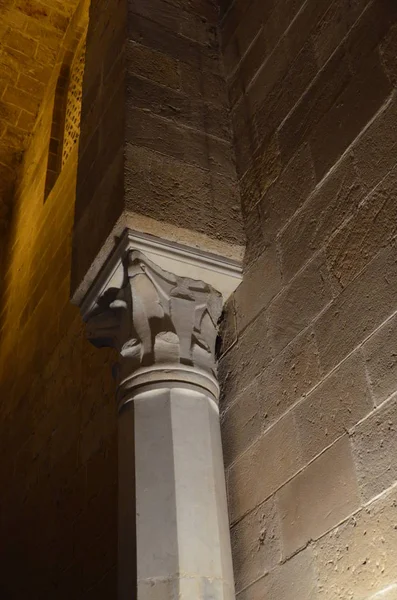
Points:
[(65, 127)]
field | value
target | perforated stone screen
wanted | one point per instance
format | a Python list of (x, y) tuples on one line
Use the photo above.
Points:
[(73, 103)]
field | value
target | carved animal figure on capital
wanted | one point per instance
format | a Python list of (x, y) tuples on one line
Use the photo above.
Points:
[(157, 317)]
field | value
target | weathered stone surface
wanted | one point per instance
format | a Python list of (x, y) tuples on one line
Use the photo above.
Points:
[(373, 227), (359, 309), (183, 143), (374, 150), (273, 459), (375, 450), (170, 190), (289, 376), (333, 407), (280, 100), (266, 166), (315, 102), (325, 210), (192, 110), (335, 24), (328, 486), (256, 544), (381, 360), (293, 580), (388, 54), (299, 303), (153, 65), (264, 276), (359, 558), (288, 193), (342, 124), (245, 360), (242, 422)]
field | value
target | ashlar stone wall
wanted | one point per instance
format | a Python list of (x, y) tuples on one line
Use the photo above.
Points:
[(308, 363), (58, 445)]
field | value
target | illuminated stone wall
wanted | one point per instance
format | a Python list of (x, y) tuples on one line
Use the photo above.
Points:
[(310, 370), (58, 505), (156, 150)]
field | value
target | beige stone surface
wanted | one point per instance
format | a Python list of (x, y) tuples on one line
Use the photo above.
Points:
[(317, 499), (360, 308), (359, 558), (239, 367), (242, 423), (263, 468), (294, 580), (381, 360), (372, 228), (299, 303), (289, 377), (332, 202), (256, 544), (333, 407), (375, 450), (261, 282)]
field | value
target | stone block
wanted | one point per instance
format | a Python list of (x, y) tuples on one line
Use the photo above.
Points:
[(303, 25), (318, 498), (152, 65), (209, 86), (269, 77), (299, 303), (375, 450), (173, 191), (264, 170), (256, 544), (341, 125), (154, 36), (372, 227), (325, 210), (334, 26), (388, 54), (285, 94), (193, 111), (381, 361), (359, 309), (359, 559), (370, 29), (241, 423), (315, 102), (288, 193), (261, 282), (293, 580), (244, 143), (183, 143), (374, 150), (271, 461), (245, 360), (333, 407), (289, 376)]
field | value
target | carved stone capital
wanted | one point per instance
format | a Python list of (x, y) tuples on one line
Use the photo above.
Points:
[(164, 325), (157, 321)]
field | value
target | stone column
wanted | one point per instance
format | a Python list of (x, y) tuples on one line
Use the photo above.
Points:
[(173, 522)]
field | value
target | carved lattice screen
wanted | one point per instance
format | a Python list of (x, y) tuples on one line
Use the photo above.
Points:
[(73, 103)]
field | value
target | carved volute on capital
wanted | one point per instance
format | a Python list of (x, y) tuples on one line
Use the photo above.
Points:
[(157, 319)]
